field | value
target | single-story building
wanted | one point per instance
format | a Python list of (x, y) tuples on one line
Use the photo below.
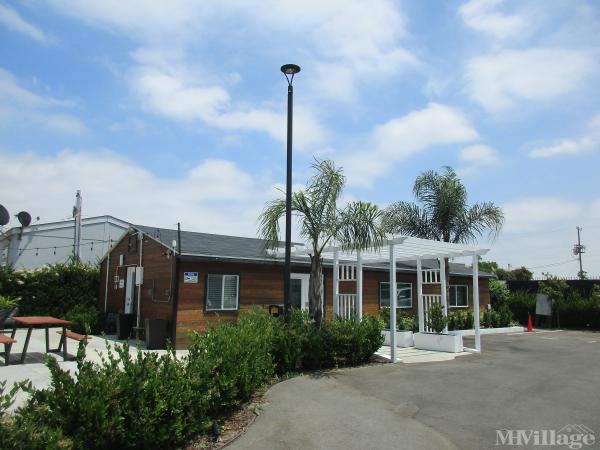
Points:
[(218, 276)]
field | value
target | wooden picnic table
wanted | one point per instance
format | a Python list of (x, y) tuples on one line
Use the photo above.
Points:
[(31, 322)]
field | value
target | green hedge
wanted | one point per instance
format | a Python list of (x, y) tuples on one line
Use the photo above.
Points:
[(62, 290), (149, 401)]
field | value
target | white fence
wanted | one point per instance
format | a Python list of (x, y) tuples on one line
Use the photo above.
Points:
[(347, 272), (428, 300), (430, 276), (346, 306)]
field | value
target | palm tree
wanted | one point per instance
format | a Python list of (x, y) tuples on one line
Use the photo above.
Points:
[(322, 222), (442, 212)]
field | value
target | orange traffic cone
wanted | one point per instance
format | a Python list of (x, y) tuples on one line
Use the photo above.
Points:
[(529, 324)]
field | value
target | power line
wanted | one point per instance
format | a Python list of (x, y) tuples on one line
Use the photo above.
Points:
[(560, 263)]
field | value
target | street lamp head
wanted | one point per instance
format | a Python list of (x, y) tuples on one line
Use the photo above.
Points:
[(289, 70)]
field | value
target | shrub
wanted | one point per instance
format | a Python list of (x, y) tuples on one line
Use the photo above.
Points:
[(151, 401), (404, 321), (7, 302), (521, 304), (53, 289), (460, 320), (435, 319), (499, 293), (84, 318)]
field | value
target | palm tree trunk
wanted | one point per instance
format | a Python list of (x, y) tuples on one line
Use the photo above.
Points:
[(315, 288)]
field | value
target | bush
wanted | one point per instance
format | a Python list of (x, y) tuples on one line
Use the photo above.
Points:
[(7, 302), (404, 321), (521, 304), (578, 312), (53, 289), (151, 401), (85, 319), (499, 293), (460, 320), (435, 319)]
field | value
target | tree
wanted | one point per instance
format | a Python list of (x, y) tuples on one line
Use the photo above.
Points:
[(522, 274), (322, 222), (442, 212), (488, 266)]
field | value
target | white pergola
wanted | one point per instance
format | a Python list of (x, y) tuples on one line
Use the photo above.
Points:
[(348, 266)]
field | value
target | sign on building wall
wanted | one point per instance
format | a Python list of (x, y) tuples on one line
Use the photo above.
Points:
[(190, 277)]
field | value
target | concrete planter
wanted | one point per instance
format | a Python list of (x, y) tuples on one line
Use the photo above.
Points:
[(439, 342), (403, 338), (471, 332)]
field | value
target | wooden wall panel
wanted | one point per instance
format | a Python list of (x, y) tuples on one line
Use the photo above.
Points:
[(156, 301)]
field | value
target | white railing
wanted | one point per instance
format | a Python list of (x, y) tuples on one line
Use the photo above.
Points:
[(428, 300), (346, 306), (347, 272), (430, 276)]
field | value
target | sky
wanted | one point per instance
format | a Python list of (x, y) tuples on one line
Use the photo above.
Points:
[(175, 111)]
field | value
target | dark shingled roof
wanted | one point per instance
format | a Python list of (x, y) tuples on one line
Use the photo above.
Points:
[(217, 246)]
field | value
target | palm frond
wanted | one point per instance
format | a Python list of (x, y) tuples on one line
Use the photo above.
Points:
[(410, 220), (360, 226)]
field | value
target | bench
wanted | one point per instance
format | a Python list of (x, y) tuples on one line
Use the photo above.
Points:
[(8, 342), (71, 335)]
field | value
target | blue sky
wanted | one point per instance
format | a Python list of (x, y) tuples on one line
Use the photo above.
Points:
[(171, 111)]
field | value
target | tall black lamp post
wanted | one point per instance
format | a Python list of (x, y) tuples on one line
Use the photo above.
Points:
[(289, 70)]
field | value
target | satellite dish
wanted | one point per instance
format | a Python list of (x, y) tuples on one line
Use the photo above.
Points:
[(4, 216), (25, 218)]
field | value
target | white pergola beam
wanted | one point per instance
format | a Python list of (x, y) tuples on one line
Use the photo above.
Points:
[(476, 303), (393, 298), (420, 296), (359, 285), (336, 282), (443, 289)]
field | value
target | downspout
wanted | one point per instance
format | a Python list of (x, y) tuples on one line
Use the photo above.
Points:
[(141, 238), (106, 281)]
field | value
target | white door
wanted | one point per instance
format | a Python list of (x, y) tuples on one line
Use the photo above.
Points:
[(299, 290), (129, 290)]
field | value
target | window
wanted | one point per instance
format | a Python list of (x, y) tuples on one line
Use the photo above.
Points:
[(459, 296), (222, 292), (404, 294)]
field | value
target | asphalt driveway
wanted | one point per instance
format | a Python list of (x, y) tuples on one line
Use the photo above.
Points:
[(523, 381)]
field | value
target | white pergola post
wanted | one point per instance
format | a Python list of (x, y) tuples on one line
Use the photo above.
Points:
[(443, 289), (393, 300), (420, 296), (359, 285), (336, 282), (476, 302)]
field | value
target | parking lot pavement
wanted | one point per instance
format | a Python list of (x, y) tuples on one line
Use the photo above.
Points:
[(525, 381)]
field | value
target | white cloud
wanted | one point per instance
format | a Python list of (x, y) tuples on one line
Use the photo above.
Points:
[(590, 141), (403, 137), (18, 105), (483, 16), (214, 196), (503, 81), (13, 20), (539, 233), (166, 86), (479, 154), (534, 213), (475, 157), (345, 43)]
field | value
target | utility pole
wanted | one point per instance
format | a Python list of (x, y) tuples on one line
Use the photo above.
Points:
[(77, 237), (578, 249)]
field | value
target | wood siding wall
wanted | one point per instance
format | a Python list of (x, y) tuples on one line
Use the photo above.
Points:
[(260, 285), (156, 299)]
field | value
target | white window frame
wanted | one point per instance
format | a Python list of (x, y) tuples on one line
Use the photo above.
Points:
[(223, 278), (397, 293), (466, 286)]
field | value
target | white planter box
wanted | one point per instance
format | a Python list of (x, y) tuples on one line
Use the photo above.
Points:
[(403, 338), (439, 342), (471, 332)]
